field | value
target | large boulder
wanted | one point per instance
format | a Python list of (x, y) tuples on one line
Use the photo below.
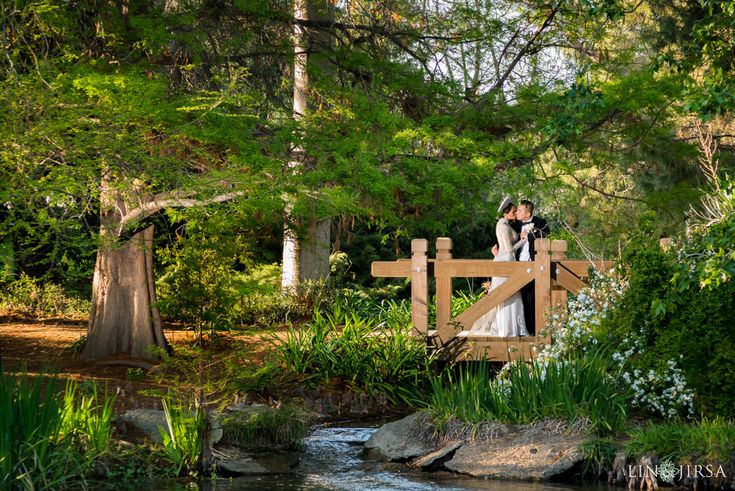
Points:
[(146, 422), (539, 451), (404, 439), (527, 452)]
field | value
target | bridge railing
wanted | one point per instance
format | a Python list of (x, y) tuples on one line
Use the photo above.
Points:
[(551, 272)]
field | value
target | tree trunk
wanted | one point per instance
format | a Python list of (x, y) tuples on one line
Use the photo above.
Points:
[(124, 320), (314, 251), (304, 258)]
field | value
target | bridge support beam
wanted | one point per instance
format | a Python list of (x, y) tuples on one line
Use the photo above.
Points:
[(443, 293), (542, 264), (420, 286)]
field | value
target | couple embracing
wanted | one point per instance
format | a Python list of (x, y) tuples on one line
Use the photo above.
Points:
[(516, 231)]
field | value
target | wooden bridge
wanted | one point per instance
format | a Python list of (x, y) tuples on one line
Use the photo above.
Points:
[(552, 273)]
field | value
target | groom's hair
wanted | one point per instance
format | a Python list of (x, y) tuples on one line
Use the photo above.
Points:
[(528, 205)]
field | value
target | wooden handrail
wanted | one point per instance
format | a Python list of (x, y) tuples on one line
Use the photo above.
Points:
[(478, 268)]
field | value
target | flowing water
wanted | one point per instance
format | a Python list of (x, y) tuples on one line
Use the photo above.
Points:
[(332, 459)]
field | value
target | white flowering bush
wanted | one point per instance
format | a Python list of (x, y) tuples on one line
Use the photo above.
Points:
[(575, 329), (660, 391), (581, 329)]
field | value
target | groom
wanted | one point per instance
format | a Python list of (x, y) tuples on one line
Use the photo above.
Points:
[(528, 227)]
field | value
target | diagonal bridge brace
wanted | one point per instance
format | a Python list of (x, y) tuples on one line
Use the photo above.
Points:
[(495, 297)]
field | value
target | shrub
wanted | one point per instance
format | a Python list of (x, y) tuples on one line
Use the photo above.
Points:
[(674, 334), (598, 321), (31, 297), (199, 285)]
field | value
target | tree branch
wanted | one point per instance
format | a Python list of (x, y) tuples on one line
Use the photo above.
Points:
[(521, 53), (174, 199), (604, 193)]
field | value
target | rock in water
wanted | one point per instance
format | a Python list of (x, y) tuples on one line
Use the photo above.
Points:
[(526, 453), (236, 462), (147, 421), (403, 439), (437, 456)]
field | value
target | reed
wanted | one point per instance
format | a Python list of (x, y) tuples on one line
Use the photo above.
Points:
[(49, 440), (524, 393), (182, 437)]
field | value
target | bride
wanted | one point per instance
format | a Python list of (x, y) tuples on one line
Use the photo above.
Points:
[(507, 318)]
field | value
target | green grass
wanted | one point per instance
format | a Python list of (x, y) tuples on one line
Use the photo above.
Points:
[(283, 427), (341, 349), (570, 390), (706, 441)]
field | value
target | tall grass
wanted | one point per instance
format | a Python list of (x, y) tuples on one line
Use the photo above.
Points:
[(87, 419), (571, 390), (43, 441), (397, 312), (283, 427), (341, 348), (182, 437), (708, 441)]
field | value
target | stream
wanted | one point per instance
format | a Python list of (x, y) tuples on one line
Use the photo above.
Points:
[(332, 460)]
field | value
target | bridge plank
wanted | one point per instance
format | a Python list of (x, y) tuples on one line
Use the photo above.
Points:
[(494, 298), (500, 350)]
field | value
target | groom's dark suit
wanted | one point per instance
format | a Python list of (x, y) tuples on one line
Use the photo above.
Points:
[(528, 292)]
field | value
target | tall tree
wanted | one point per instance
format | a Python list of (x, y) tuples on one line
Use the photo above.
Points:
[(305, 257)]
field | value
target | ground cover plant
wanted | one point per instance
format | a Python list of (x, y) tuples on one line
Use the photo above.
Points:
[(32, 297), (267, 427)]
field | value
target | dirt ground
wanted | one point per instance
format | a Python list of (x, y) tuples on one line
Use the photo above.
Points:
[(47, 346)]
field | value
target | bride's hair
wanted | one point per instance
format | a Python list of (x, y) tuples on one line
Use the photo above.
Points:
[(508, 208)]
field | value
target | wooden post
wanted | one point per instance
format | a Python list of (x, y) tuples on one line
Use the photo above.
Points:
[(443, 292), (419, 286), (542, 266), (559, 294), (558, 250)]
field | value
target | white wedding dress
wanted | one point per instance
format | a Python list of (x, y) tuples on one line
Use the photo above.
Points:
[(507, 318)]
